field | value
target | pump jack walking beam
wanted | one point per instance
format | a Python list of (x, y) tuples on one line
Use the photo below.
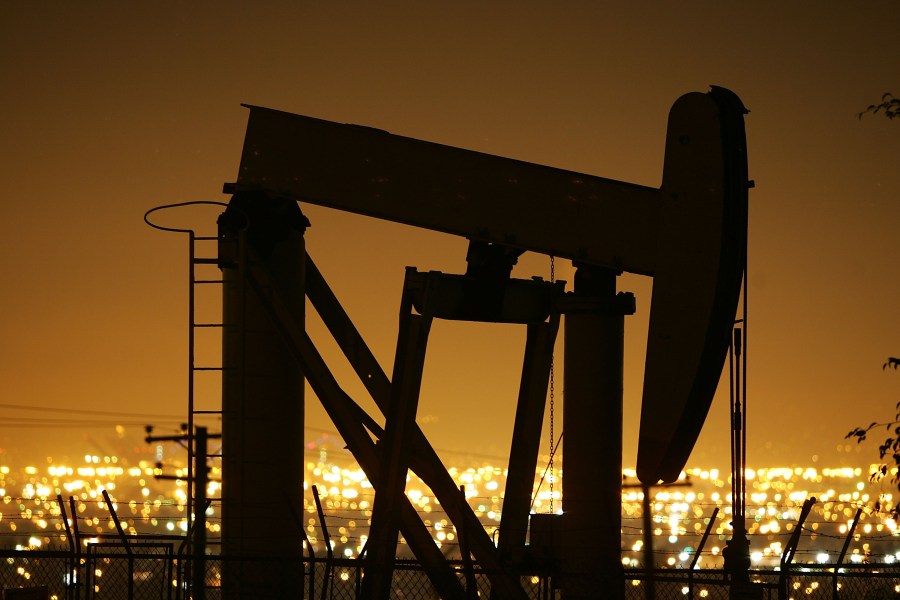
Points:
[(690, 234)]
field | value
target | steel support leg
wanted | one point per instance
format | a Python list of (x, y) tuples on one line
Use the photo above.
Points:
[(526, 439), (400, 420), (592, 421), (262, 403)]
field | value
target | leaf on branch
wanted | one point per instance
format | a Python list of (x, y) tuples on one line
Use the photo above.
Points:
[(889, 105), (858, 433)]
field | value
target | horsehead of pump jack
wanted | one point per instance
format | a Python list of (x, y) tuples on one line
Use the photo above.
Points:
[(690, 234)]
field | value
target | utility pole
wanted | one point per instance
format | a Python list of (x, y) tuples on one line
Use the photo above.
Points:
[(200, 481)]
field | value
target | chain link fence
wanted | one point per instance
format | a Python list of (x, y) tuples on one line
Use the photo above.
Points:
[(43, 570), (153, 571), (143, 570), (819, 582)]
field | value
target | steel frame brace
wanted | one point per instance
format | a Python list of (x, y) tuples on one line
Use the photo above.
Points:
[(349, 418), (428, 292)]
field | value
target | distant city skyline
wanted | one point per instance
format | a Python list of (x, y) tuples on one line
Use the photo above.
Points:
[(111, 110), (30, 517)]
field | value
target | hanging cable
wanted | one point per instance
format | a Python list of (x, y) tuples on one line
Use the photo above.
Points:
[(546, 470), (552, 398)]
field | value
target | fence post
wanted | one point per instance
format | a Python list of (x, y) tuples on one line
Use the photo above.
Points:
[(71, 540), (125, 543), (298, 521), (471, 584), (78, 545), (359, 563), (329, 554), (788, 555), (712, 522), (840, 560)]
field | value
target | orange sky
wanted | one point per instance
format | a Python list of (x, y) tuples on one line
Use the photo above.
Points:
[(108, 111)]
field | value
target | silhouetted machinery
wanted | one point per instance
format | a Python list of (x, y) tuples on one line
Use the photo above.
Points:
[(689, 235)]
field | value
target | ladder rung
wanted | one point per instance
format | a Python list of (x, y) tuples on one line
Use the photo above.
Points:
[(207, 412), (209, 325), (205, 238), (206, 261), (209, 281), (209, 368)]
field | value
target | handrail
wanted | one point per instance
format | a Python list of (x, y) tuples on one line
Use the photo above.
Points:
[(176, 205)]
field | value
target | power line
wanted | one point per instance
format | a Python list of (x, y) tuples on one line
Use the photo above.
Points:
[(74, 423), (85, 411)]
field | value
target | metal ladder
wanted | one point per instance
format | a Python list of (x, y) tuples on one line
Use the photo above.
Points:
[(199, 266), (198, 278)]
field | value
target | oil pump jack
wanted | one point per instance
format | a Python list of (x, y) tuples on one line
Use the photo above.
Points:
[(689, 235)]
